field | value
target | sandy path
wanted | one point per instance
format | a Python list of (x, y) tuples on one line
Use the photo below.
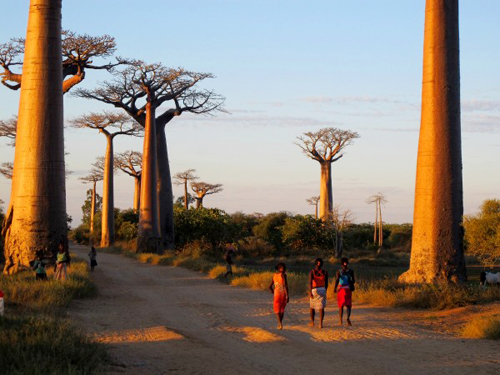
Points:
[(160, 320)]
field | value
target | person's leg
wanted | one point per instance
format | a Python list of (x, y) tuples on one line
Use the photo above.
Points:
[(349, 315), (281, 315), (278, 316), (321, 317), (341, 314), (312, 313)]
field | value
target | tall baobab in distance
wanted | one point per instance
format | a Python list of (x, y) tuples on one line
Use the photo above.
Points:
[(314, 201), (78, 54), (94, 176), (326, 146), (110, 125), (130, 162), (202, 189), (183, 178), (378, 234), (177, 86), (437, 243), (36, 217)]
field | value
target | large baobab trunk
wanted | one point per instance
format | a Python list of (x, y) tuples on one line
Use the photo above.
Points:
[(316, 210), (325, 194), (137, 193), (165, 193), (36, 218), (148, 240), (186, 203), (437, 244), (108, 205), (199, 202)]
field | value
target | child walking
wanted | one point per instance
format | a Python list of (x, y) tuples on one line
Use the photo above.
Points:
[(62, 261), (279, 288), (39, 267), (345, 283), (92, 256)]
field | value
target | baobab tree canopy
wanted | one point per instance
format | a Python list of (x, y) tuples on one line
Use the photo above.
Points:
[(326, 146), (202, 189), (78, 54)]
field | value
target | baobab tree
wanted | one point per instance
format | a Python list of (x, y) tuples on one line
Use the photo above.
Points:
[(378, 235), (314, 201), (8, 130), (7, 169), (201, 189), (326, 146), (183, 178), (177, 86), (95, 175), (341, 219), (130, 162), (36, 218), (110, 125), (78, 54), (437, 243)]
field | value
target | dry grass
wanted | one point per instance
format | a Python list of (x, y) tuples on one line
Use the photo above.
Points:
[(483, 328)]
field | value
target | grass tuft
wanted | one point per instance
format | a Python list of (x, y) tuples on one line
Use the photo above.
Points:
[(483, 328)]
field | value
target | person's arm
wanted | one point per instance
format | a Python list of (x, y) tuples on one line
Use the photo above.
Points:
[(352, 276), (336, 282), (286, 288), (310, 283), (271, 287)]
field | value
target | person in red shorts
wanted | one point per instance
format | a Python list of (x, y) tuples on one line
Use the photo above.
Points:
[(344, 285), (279, 288)]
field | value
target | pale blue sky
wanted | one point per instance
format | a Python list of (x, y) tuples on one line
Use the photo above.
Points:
[(287, 67)]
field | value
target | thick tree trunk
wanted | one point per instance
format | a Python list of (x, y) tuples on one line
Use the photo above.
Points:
[(316, 212), (108, 206), (36, 218), (137, 193), (186, 203), (437, 242), (325, 194), (92, 212), (380, 228), (165, 192), (199, 202), (148, 240), (375, 224)]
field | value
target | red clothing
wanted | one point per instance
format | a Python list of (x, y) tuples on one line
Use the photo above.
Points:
[(344, 297), (279, 293), (318, 279)]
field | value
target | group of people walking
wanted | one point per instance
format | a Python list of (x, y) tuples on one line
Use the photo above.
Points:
[(318, 286)]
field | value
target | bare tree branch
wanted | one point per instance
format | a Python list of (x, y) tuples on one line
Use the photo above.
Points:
[(7, 169), (129, 162), (8, 129)]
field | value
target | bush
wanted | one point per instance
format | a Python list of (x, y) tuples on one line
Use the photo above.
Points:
[(306, 235), (483, 328), (269, 229)]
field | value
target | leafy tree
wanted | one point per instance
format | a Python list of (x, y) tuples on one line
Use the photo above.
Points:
[(269, 228), (306, 233), (482, 232)]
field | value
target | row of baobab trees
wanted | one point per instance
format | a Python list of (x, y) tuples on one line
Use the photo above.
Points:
[(149, 96), (54, 62)]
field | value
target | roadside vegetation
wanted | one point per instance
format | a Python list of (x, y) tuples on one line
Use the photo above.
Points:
[(36, 337)]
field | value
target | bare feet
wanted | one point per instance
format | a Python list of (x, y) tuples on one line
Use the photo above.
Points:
[(340, 322), (280, 326), (311, 324), (320, 325), (349, 322)]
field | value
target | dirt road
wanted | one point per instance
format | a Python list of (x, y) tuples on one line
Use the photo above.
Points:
[(161, 320)]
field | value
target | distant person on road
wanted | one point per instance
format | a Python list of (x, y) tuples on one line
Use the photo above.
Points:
[(228, 257), (93, 258), (279, 288), (345, 283), (39, 267), (62, 261), (318, 284)]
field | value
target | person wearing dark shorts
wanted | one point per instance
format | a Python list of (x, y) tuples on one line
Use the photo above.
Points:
[(93, 258)]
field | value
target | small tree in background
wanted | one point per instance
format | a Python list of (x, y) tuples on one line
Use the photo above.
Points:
[(130, 162), (482, 232), (314, 201), (378, 235), (341, 220), (203, 189), (95, 175), (183, 178)]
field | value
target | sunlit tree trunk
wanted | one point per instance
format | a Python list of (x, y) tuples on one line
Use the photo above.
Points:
[(36, 217), (199, 202), (380, 227), (186, 203), (325, 194), (165, 193), (92, 211), (137, 193), (375, 224), (437, 243), (108, 205), (316, 212), (148, 240)]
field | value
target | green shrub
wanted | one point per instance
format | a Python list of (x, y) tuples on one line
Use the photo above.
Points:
[(306, 235), (269, 229)]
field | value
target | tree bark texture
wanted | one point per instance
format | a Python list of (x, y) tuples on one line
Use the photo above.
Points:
[(36, 217), (437, 243), (325, 194), (108, 205), (199, 202), (92, 212), (137, 193), (165, 192), (148, 240)]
